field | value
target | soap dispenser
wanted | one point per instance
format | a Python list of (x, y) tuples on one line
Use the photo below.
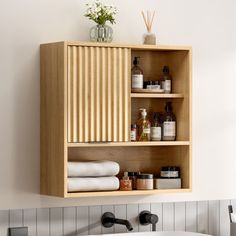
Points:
[(144, 127)]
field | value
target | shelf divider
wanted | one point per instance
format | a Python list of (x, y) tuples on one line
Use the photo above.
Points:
[(126, 193), (130, 144), (156, 95)]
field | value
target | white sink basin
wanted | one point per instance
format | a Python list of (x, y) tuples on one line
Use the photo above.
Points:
[(167, 233)]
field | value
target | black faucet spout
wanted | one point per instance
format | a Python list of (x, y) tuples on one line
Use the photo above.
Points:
[(123, 222), (108, 220)]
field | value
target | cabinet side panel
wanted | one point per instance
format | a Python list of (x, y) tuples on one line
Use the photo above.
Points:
[(52, 119), (98, 94)]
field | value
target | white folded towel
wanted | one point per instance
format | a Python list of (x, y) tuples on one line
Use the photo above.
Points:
[(92, 184), (93, 169)]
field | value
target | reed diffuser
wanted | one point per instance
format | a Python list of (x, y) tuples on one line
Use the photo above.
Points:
[(149, 37)]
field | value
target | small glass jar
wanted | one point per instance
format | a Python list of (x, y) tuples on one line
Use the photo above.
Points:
[(170, 172), (133, 177), (145, 182), (149, 38)]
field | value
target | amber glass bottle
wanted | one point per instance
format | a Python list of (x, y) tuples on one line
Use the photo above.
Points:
[(169, 123)]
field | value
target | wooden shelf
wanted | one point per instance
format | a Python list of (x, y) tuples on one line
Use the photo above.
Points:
[(131, 144), (126, 193), (86, 96), (156, 95)]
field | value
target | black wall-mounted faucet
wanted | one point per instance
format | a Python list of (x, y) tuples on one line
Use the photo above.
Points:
[(146, 218), (108, 220)]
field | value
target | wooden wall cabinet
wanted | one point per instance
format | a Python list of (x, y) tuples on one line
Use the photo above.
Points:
[(87, 108)]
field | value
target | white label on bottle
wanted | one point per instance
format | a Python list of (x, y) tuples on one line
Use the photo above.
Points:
[(156, 133), (170, 174), (137, 81), (146, 130), (133, 135), (167, 86), (169, 128)]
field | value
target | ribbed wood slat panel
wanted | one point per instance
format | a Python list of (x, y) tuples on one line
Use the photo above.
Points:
[(98, 94)]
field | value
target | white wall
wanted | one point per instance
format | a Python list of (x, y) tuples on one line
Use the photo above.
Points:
[(209, 26)]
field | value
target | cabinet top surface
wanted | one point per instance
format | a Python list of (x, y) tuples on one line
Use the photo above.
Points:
[(122, 45)]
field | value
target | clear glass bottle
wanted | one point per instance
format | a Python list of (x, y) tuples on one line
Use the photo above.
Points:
[(144, 127), (137, 75), (156, 128), (125, 183), (169, 123), (166, 80)]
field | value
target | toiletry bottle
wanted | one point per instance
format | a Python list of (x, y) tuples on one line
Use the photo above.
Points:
[(144, 127), (156, 127), (137, 75), (125, 183), (169, 123), (133, 133), (166, 80)]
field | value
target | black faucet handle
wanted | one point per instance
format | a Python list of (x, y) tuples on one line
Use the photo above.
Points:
[(107, 219), (146, 218)]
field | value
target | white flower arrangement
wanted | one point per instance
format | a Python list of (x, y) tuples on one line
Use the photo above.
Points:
[(101, 13)]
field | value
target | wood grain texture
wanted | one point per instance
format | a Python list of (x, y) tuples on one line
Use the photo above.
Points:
[(53, 120), (98, 94)]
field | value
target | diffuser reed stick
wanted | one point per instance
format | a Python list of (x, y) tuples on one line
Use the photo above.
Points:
[(148, 18)]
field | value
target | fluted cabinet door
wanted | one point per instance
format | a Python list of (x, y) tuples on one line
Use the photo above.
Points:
[(98, 94)]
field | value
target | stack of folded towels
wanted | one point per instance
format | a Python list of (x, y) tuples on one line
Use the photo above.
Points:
[(93, 176)]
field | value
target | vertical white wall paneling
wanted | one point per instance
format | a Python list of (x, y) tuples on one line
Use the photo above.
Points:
[(120, 212), (179, 216), (43, 222), (56, 221), (168, 216), (202, 214), (16, 218), (109, 208), (69, 221), (95, 213), (224, 218), (82, 220), (191, 216), (156, 208), (4, 222), (132, 215), (144, 207), (214, 218), (30, 221)]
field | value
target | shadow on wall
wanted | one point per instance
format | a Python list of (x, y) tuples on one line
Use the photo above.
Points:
[(25, 168)]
